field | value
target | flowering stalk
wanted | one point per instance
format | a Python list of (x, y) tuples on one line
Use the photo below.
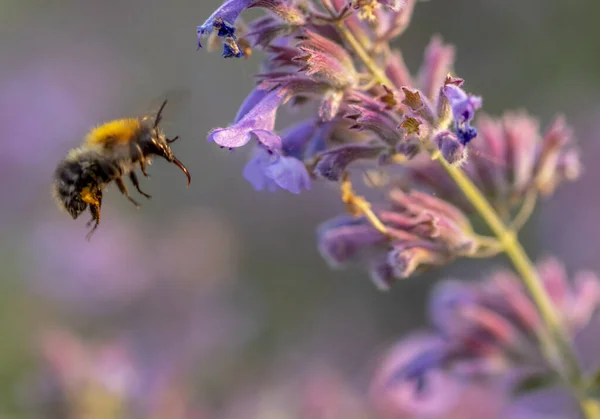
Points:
[(320, 55), (554, 340)]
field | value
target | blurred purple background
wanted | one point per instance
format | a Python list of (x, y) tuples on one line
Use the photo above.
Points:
[(214, 298)]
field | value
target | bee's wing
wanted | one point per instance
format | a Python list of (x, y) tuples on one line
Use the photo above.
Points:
[(167, 107)]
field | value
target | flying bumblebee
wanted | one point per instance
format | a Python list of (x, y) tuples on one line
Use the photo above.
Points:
[(110, 152)]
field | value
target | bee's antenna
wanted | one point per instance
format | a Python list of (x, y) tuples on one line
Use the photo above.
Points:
[(159, 114), (172, 140)]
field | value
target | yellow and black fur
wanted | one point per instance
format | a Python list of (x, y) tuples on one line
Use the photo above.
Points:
[(110, 152)]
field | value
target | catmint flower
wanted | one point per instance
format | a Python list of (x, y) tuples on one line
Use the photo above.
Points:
[(445, 397), (452, 148), (326, 60), (494, 324), (223, 21), (333, 163), (256, 117), (463, 108), (510, 159), (270, 167), (424, 231), (308, 63)]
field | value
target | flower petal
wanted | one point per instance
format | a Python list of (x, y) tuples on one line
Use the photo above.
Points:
[(228, 12)]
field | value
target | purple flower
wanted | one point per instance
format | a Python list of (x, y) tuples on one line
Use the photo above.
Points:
[(269, 170), (255, 117), (511, 159), (452, 149), (423, 232), (326, 60), (270, 167), (98, 278), (333, 163), (491, 328), (223, 19), (463, 108), (444, 397), (463, 104)]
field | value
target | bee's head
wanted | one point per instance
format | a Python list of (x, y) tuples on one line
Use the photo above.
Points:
[(160, 145)]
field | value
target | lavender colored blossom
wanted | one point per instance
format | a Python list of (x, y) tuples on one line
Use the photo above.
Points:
[(445, 397), (463, 109), (488, 330), (98, 278), (511, 158), (255, 118), (270, 170), (100, 379), (270, 167), (423, 232), (333, 59), (307, 62)]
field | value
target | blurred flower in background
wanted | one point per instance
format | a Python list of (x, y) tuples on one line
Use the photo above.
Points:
[(314, 392), (87, 379), (100, 277), (484, 352), (445, 396), (167, 293), (577, 239)]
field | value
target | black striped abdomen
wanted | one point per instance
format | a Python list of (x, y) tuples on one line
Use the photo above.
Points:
[(67, 186)]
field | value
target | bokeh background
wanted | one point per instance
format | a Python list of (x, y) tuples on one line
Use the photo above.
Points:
[(214, 298)]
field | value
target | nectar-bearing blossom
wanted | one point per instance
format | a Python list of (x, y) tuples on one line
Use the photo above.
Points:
[(490, 328), (270, 168), (368, 112), (438, 161), (511, 158), (423, 232), (308, 64)]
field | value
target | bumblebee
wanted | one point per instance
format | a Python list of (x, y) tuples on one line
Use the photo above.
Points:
[(110, 152)]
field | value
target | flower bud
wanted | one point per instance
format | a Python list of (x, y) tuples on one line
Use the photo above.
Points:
[(452, 150)]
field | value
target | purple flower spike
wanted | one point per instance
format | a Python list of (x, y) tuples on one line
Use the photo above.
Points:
[(487, 329), (270, 170), (256, 117)]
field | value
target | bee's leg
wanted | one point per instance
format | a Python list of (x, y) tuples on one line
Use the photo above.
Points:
[(143, 167), (136, 183), (95, 211), (124, 191), (138, 155)]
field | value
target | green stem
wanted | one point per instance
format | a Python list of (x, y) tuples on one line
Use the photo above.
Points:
[(590, 408), (554, 339)]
